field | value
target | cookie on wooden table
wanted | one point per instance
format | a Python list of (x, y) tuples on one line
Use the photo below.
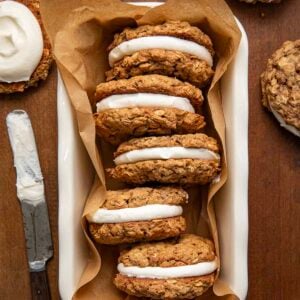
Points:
[(139, 214), (182, 268), (281, 86), (146, 105), (184, 159), (25, 50), (174, 49)]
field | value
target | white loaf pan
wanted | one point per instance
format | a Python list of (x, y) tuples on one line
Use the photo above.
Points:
[(75, 175)]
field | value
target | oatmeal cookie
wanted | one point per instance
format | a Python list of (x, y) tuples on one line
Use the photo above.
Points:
[(42, 70), (139, 214), (131, 232), (281, 86), (182, 171), (140, 196), (184, 159), (175, 49), (183, 66), (175, 288), (118, 125), (146, 105), (156, 84), (188, 249), (178, 29), (198, 140), (155, 270)]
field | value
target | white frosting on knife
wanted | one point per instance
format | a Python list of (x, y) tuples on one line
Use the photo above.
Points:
[(144, 100), (199, 269), (159, 42), (132, 214), (30, 186), (165, 153)]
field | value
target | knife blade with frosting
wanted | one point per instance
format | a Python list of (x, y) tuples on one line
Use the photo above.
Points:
[(30, 191)]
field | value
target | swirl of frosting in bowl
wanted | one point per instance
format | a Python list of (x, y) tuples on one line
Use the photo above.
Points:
[(21, 42)]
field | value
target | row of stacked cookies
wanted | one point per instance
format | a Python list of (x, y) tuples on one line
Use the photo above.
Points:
[(150, 107)]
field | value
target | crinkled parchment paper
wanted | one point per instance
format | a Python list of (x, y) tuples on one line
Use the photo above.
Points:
[(80, 31)]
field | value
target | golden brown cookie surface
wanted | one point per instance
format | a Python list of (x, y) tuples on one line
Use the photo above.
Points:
[(157, 84), (175, 288), (118, 125), (188, 249), (178, 29), (131, 232), (183, 170), (180, 171), (145, 195), (177, 64), (140, 230), (281, 84), (197, 140)]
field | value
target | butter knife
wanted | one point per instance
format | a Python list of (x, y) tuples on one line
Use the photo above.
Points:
[(30, 191)]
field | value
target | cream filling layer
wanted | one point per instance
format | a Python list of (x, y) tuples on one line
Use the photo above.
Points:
[(283, 124), (144, 100), (159, 42), (200, 269), (165, 153), (21, 42), (133, 214)]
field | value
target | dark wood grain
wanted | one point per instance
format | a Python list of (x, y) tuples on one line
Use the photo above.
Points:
[(274, 189), (39, 286), (40, 103)]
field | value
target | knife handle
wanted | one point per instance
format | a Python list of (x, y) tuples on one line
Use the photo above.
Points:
[(39, 286)]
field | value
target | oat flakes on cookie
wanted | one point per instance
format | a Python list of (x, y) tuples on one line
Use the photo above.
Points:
[(182, 268), (174, 49), (139, 214), (25, 50), (183, 159), (146, 105), (281, 86)]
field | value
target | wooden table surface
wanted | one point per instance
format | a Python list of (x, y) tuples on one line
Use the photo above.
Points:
[(274, 188)]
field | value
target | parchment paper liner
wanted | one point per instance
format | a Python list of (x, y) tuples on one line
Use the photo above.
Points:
[(80, 32)]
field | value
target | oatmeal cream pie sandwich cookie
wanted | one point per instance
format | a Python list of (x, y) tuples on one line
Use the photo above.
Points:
[(181, 268), (175, 49), (183, 159), (139, 214), (146, 105), (25, 51), (281, 86)]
